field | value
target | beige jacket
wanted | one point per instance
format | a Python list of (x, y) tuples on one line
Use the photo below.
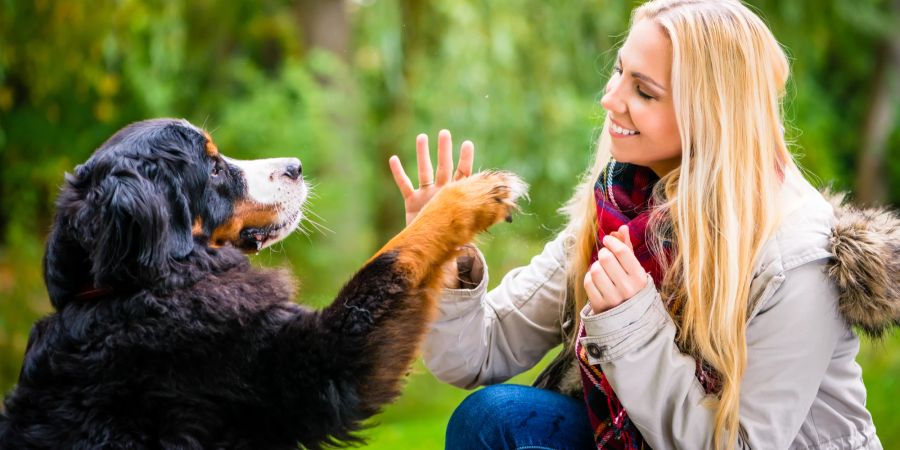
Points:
[(825, 269)]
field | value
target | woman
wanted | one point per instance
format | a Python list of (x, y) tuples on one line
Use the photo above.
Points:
[(696, 285)]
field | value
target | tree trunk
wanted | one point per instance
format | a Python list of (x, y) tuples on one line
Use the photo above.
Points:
[(325, 25), (871, 182)]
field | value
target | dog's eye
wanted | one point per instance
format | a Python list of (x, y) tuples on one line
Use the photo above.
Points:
[(216, 169)]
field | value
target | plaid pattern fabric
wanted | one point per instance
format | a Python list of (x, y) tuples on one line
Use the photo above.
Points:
[(622, 193)]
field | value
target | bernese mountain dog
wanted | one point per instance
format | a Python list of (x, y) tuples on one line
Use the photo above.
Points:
[(163, 334)]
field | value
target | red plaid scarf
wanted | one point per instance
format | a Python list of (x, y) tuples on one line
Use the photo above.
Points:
[(622, 193)]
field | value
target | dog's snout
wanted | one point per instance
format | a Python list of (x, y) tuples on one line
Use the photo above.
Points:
[(293, 169)]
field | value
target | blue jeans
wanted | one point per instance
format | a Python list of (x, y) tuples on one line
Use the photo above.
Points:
[(509, 416)]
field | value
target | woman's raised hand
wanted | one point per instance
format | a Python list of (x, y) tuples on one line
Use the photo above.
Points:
[(617, 275), (430, 182)]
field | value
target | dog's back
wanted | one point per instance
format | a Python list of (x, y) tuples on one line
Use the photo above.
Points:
[(190, 368)]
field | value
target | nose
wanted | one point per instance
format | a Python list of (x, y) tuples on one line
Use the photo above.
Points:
[(611, 101), (293, 169)]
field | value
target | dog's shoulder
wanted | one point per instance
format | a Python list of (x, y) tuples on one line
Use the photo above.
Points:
[(245, 286), (225, 309), (221, 282), (242, 299)]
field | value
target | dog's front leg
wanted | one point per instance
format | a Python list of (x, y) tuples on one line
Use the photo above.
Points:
[(375, 325), (386, 308)]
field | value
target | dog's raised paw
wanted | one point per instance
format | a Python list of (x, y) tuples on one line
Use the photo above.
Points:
[(505, 188), (475, 203)]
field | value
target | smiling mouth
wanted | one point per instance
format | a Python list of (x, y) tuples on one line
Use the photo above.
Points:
[(622, 131)]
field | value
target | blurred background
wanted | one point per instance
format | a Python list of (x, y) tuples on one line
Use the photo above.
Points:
[(345, 84)]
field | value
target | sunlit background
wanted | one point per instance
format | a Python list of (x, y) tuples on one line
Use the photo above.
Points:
[(345, 84)]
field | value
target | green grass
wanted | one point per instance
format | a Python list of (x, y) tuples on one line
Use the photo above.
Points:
[(418, 419), (881, 372)]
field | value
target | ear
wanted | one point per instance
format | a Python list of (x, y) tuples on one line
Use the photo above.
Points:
[(132, 232)]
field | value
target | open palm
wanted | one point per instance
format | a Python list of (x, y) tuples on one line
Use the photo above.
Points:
[(431, 181)]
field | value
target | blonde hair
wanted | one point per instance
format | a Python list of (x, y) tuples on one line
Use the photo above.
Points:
[(728, 80)]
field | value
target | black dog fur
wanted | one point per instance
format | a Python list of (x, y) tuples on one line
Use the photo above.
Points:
[(160, 340)]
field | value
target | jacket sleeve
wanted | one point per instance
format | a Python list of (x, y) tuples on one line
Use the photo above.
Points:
[(789, 346), (485, 337)]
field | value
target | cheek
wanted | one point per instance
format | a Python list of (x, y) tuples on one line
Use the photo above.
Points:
[(659, 126)]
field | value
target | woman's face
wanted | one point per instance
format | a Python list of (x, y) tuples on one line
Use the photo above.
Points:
[(638, 101)]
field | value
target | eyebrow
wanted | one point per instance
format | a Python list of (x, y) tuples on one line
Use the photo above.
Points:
[(641, 76)]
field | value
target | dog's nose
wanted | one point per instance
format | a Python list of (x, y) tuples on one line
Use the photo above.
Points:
[(293, 169)]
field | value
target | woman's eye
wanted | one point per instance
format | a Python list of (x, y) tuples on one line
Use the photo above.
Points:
[(618, 70), (643, 94)]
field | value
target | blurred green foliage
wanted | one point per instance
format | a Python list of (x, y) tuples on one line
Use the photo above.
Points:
[(521, 78)]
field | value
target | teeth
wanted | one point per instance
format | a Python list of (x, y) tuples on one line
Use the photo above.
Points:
[(621, 130)]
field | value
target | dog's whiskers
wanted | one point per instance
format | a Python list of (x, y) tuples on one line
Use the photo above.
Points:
[(311, 193), (308, 214), (302, 230), (320, 227), (277, 248)]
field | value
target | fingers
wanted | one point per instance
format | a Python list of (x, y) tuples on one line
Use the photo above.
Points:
[(423, 159), (403, 182), (611, 295), (445, 158), (445, 171), (617, 275), (624, 255), (466, 159), (613, 269), (593, 294), (623, 235)]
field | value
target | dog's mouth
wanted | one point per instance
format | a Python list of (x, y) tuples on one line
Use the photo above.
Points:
[(254, 239)]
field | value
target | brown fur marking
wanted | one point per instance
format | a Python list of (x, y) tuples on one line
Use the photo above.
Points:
[(197, 229), (211, 148), (246, 214)]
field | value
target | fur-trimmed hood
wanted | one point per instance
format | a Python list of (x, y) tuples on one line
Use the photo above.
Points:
[(866, 265)]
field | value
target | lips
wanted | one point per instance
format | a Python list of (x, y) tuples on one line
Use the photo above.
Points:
[(617, 128), (252, 239)]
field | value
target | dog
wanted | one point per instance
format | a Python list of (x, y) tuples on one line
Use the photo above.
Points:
[(164, 336)]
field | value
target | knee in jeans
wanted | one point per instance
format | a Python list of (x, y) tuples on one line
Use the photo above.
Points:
[(511, 416), (479, 418), (482, 405)]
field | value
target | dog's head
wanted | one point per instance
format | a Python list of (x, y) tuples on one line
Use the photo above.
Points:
[(154, 192)]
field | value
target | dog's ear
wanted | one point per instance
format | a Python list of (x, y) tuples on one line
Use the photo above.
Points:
[(135, 229)]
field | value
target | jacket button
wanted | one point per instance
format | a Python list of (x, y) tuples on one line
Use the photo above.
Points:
[(596, 350)]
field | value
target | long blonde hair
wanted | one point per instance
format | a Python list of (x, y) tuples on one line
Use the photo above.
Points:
[(728, 80)]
